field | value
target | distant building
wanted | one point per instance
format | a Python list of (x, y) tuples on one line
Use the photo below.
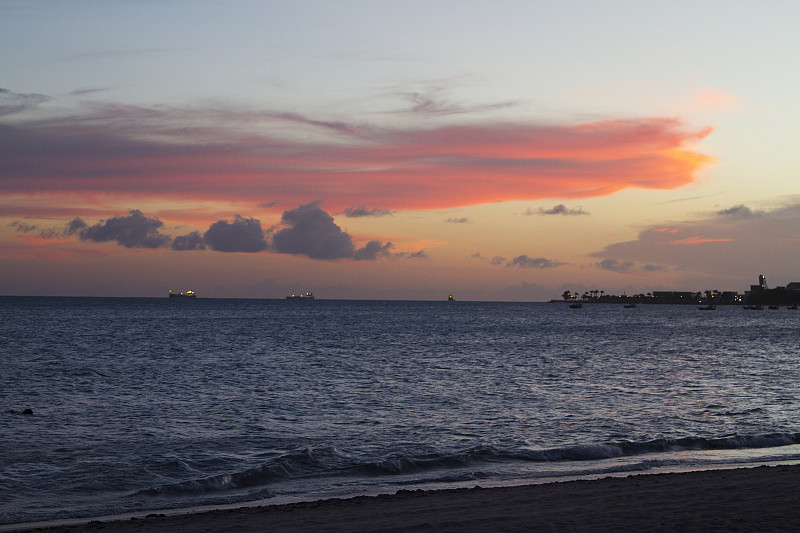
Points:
[(762, 285), (676, 297), (761, 294), (730, 297)]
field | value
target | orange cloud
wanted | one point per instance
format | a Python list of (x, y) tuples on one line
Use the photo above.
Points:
[(145, 156)]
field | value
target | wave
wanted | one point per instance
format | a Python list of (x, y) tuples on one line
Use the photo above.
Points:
[(295, 464), (629, 448), (328, 462)]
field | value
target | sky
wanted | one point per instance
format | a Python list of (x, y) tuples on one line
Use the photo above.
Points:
[(496, 151)]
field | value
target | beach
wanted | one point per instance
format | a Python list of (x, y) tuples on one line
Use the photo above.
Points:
[(764, 498)]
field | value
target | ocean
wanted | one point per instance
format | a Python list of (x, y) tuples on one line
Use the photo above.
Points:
[(146, 404)]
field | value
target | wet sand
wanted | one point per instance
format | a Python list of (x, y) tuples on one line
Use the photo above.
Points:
[(752, 499)]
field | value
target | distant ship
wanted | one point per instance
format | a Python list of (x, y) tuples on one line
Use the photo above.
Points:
[(187, 294), (306, 296)]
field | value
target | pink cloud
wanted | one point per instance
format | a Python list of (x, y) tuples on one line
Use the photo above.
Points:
[(142, 153), (711, 96), (697, 240), (665, 230)]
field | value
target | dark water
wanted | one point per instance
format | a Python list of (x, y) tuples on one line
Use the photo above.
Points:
[(144, 404)]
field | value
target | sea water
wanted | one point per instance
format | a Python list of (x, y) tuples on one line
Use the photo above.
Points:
[(145, 404)]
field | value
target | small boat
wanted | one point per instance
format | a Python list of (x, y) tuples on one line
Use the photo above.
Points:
[(306, 296), (575, 306), (774, 307), (754, 307), (793, 307), (630, 306), (187, 294), (710, 307)]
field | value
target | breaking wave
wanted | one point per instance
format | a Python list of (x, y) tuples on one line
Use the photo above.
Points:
[(329, 462)]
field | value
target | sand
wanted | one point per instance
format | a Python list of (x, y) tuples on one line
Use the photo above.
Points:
[(751, 499)]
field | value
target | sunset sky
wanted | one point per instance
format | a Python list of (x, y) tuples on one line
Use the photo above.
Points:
[(504, 150)]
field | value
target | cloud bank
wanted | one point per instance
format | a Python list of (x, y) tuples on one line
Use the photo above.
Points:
[(227, 154), (733, 243), (307, 230)]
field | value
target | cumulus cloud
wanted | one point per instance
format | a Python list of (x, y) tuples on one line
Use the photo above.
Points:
[(523, 261), (312, 232), (191, 241), (614, 265), (559, 209), (241, 235), (362, 211), (132, 231), (497, 260)]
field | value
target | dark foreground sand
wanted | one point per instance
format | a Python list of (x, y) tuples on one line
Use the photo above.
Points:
[(754, 499)]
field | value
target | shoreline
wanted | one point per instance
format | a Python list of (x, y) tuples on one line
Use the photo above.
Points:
[(763, 498)]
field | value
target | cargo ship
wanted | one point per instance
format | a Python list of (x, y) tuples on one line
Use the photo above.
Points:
[(306, 296), (187, 294)]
